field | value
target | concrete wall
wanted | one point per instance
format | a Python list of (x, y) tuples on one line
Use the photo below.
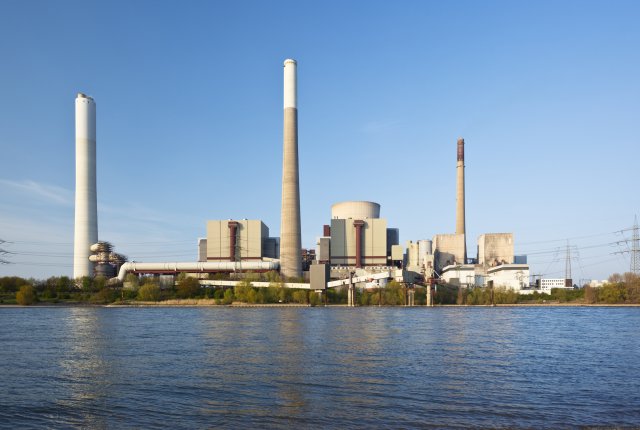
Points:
[(323, 249), (448, 249), (251, 234), (202, 250), (374, 242), (413, 254), (495, 249)]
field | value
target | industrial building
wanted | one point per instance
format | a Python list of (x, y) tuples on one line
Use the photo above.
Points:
[(495, 249), (357, 236), (510, 276), (359, 242), (448, 249), (461, 275), (239, 240)]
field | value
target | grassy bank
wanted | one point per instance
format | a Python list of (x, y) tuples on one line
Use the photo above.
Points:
[(621, 290)]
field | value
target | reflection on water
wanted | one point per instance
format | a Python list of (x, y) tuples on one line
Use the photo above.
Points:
[(319, 368)]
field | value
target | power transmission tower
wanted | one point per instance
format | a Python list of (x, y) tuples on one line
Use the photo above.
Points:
[(567, 267), (4, 253), (635, 248)]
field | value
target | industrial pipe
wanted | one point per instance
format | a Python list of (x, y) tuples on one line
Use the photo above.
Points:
[(204, 266)]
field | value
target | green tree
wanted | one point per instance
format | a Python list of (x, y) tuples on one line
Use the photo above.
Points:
[(149, 292), (252, 296), (105, 295), (11, 284), (315, 299), (612, 293), (188, 287), (25, 295), (393, 294), (64, 284), (300, 296), (505, 296), (445, 295), (86, 283), (131, 282), (273, 276), (590, 294), (228, 297), (241, 290)]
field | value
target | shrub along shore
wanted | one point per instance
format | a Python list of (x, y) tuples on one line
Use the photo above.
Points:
[(147, 291)]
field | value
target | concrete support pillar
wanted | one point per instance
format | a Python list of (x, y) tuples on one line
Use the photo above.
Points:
[(411, 296), (233, 234), (358, 224), (429, 298), (351, 293)]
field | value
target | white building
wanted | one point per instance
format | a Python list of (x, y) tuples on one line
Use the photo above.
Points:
[(509, 276), (547, 284), (597, 284), (462, 275)]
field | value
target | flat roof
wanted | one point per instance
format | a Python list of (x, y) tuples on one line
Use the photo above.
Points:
[(508, 267), (458, 267)]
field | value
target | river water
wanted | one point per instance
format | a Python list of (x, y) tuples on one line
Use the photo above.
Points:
[(74, 367)]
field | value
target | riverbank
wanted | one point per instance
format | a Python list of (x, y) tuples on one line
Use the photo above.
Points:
[(212, 303)]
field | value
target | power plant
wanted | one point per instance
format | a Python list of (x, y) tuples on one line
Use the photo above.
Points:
[(357, 247)]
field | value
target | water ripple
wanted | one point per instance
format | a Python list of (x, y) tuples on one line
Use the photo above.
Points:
[(319, 368)]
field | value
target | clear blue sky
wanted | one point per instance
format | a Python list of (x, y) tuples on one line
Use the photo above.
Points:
[(189, 111)]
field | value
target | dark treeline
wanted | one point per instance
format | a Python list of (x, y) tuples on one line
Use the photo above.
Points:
[(621, 289)]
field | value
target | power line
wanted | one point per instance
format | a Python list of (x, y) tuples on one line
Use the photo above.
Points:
[(575, 237)]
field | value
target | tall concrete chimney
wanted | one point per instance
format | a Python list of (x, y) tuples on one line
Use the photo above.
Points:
[(290, 232), (86, 216), (460, 222)]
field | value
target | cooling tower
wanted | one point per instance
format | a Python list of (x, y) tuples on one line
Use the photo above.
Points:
[(86, 215), (290, 232)]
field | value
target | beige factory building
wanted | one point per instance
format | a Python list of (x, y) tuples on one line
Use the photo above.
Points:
[(370, 235), (495, 249), (448, 249), (357, 236), (239, 240)]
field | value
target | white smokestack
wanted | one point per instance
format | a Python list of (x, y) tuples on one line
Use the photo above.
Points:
[(86, 217)]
